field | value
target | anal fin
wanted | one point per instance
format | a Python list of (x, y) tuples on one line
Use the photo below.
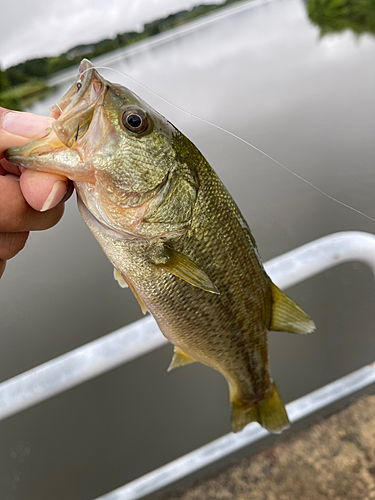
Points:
[(287, 316), (180, 358), (270, 413)]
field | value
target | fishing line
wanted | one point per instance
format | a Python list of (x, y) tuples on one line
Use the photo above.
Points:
[(240, 139)]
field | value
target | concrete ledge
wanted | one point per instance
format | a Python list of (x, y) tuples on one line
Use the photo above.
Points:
[(334, 459)]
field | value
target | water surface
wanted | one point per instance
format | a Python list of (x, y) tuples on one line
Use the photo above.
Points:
[(264, 73)]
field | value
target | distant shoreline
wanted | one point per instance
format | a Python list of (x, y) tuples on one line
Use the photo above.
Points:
[(26, 82), (45, 72), (70, 73)]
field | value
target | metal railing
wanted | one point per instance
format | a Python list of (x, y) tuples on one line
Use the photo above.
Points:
[(222, 447), (130, 342)]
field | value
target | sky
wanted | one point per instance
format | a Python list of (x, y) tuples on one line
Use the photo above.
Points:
[(48, 27)]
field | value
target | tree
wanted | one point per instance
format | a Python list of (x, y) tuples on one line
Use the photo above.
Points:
[(4, 82), (339, 15)]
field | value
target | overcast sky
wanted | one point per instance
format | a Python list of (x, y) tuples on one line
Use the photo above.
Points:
[(33, 28)]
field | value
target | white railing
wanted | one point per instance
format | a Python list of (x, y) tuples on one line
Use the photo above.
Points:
[(143, 336), (225, 445)]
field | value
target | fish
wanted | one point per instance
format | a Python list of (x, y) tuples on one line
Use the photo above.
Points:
[(174, 235)]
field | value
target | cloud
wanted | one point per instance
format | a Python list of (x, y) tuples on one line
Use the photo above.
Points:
[(41, 27)]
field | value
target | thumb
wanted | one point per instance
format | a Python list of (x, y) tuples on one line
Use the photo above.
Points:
[(17, 128), (44, 191)]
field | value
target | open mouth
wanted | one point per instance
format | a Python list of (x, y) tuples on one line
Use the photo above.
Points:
[(73, 116), (74, 111)]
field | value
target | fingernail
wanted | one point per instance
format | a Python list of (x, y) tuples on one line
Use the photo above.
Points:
[(25, 124), (56, 195)]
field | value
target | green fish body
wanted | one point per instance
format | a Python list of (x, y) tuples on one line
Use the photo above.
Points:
[(173, 234)]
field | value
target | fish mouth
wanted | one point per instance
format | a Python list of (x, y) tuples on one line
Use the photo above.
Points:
[(76, 92), (73, 115), (74, 111)]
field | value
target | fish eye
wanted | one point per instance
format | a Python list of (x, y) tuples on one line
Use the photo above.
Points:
[(135, 120)]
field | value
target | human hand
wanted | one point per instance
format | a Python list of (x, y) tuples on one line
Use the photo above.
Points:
[(29, 200)]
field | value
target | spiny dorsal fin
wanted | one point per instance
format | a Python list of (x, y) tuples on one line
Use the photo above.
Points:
[(180, 358), (287, 316), (120, 280), (184, 268)]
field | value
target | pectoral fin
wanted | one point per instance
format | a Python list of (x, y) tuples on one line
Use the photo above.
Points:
[(287, 316), (184, 268), (180, 358)]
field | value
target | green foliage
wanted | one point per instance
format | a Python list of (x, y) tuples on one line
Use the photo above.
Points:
[(339, 15), (33, 68), (4, 82), (58, 63), (39, 69), (23, 95)]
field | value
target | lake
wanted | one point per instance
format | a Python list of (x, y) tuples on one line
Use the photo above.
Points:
[(262, 71)]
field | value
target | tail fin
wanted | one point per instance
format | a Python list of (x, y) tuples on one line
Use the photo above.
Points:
[(287, 316), (269, 413)]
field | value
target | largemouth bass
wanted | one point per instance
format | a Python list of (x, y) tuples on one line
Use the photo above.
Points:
[(173, 234)]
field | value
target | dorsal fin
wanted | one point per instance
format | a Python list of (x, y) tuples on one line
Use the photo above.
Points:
[(287, 316), (180, 358)]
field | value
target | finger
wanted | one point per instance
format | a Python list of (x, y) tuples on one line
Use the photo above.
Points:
[(17, 128), (11, 244), (2, 267), (44, 191), (10, 168), (2, 170), (16, 215)]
